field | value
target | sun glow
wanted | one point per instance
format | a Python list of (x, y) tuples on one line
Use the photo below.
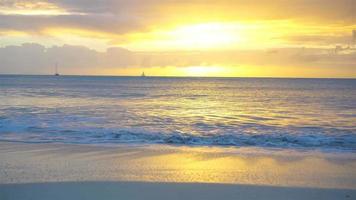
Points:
[(204, 36), (202, 70), (188, 37)]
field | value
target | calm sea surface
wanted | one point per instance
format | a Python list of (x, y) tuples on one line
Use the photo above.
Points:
[(279, 113)]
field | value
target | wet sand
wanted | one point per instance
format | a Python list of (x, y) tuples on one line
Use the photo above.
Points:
[(60, 171)]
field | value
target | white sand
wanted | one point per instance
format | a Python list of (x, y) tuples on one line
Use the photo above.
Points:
[(57, 171)]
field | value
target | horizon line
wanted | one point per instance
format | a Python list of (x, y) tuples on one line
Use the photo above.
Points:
[(167, 76)]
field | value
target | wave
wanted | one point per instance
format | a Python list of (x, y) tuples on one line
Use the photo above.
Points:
[(322, 141)]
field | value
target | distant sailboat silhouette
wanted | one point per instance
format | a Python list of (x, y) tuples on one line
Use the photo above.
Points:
[(56, 70), (143, 74)]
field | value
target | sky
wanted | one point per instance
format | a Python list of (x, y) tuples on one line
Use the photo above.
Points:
[(227, 38)]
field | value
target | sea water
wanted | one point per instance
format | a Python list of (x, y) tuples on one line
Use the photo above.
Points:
[(259, 112)]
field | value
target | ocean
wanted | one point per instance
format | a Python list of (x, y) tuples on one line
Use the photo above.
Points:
[(276, 113)]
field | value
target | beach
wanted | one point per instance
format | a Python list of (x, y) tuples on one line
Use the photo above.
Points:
[(62, 171)]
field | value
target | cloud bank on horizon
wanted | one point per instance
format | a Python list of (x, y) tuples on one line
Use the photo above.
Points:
[(298, 38)]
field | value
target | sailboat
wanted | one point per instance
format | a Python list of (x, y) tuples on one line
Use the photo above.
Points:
[(56, 69), (143, 74)]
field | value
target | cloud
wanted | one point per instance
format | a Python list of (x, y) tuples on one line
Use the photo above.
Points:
[(123, 16), (102, 23), (36, 24), (134, 23), (30, 8), (37, 59), (277, 9), (343, 39)]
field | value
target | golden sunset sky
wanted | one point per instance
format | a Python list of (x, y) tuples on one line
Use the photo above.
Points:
[(230, 38)]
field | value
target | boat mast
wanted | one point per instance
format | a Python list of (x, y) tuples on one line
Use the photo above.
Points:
[(56, 69)]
